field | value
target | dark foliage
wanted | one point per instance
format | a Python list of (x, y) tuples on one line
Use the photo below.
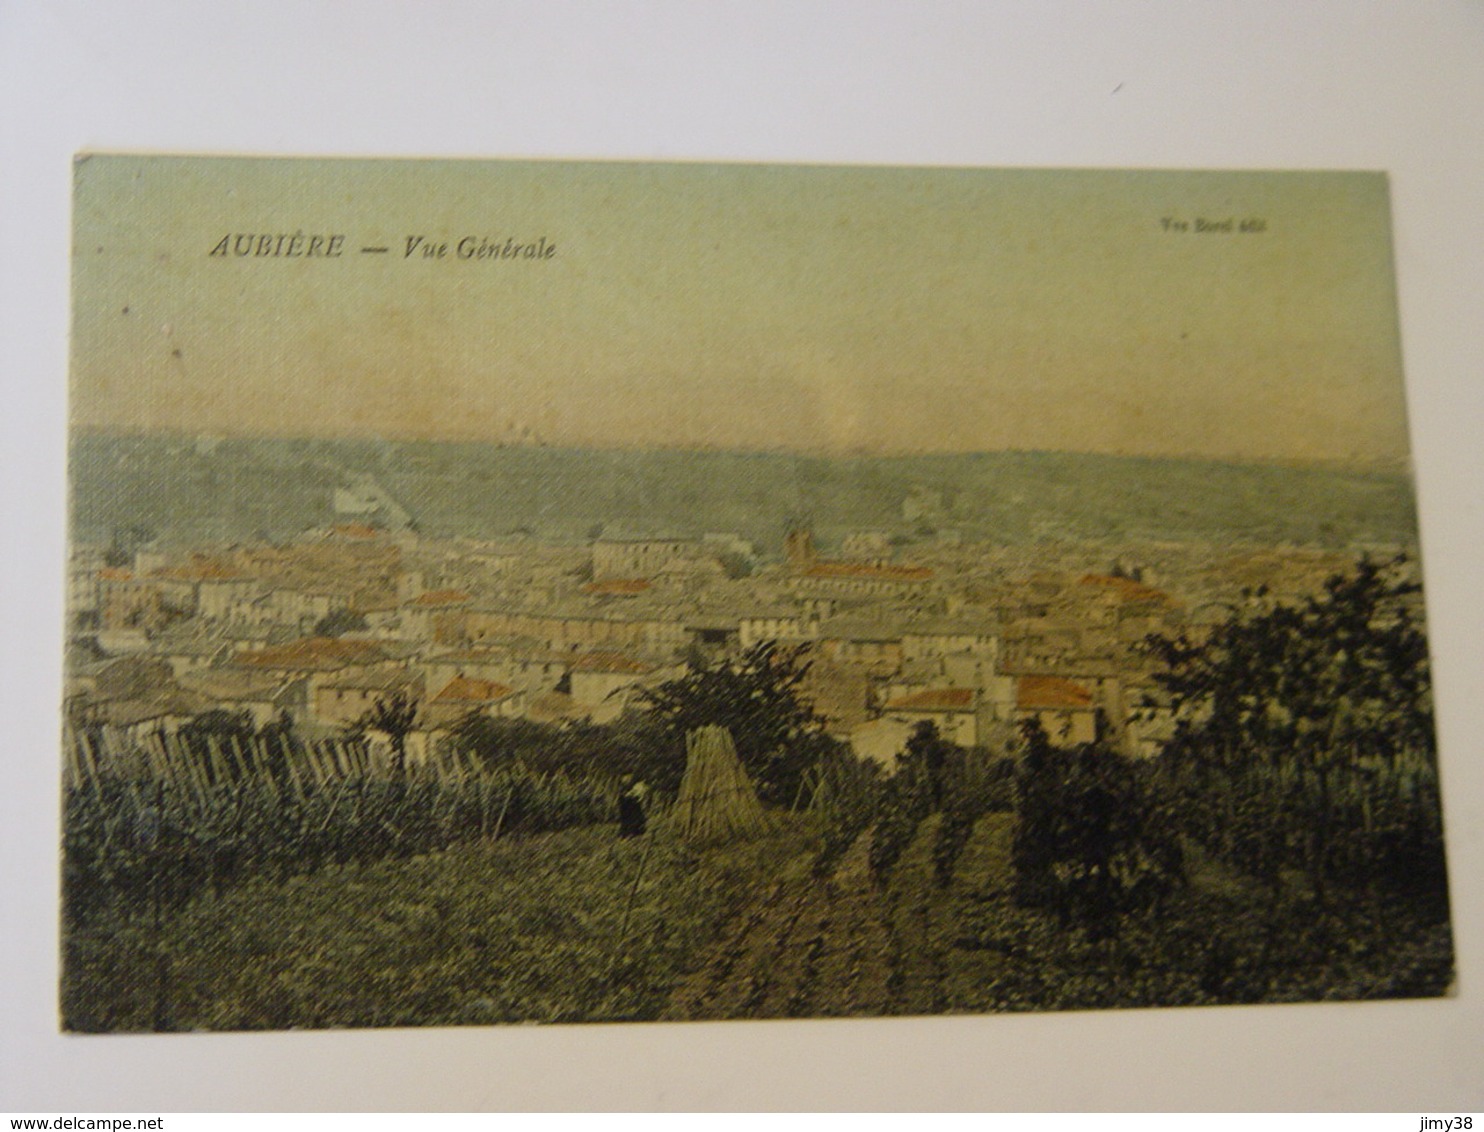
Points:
[(1094, 843), (901, 811), (756, 697), (846, 794), (630, 746), (339, 622), (217, 739), (1205, 949), (933, 775), (1305, 738), (394, 715), (135, 839)]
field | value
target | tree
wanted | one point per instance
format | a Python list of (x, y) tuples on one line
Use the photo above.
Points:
[(926, 757), (394, 715), (497, 742), (1093, 843), (1304, 736), (757, 697), (735, 563), (339, 622)]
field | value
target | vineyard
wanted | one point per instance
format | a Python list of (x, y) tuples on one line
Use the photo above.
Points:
[(158, 821), (580, 925)]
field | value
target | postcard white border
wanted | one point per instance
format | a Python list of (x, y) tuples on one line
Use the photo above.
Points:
[(1258, 84)]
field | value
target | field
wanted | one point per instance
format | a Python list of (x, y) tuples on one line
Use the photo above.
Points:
[(580, 925)]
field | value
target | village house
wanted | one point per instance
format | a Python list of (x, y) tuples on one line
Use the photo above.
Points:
[(778, 623), (996, 689), (301, 608), (577, 628), (954, 711), (1064, 708), (812, 576), (437, 615), (923, 637), (224, 598), (127, 601), (122, 642), (602, 682), (345, 697), (84, 600), (492, 664), (618, 587), (866, 546), (637, 558), (1040, 644), (464, 696), (860, 580), (874, 644), (305, 665), (311, 655), (190, 651), (531, 670), (260, 695), (384, 618), (595, 676), (131, 698)]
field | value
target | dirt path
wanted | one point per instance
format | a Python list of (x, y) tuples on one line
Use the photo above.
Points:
[(811, 947)]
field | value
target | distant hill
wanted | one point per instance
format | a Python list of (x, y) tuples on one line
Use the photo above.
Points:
[(185, 490)]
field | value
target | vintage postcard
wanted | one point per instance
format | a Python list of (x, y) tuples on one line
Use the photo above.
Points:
[(555, 592)]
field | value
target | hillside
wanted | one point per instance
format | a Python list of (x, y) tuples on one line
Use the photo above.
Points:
[(185, 490)]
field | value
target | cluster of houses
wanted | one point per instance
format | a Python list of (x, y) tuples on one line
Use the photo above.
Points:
[(973, 639)]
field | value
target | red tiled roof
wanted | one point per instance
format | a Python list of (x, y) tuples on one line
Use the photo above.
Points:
[(1126, 589), (199, 569), (315, 653), (622, 587), (936, 699), (1034, 693), (465, 690), (357, 530)]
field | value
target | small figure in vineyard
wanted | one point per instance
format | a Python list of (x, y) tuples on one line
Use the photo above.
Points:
[(632, 804)]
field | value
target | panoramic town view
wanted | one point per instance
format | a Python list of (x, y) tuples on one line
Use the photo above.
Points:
[(393, 702)]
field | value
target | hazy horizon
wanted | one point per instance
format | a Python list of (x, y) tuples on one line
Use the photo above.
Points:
[(1395, 465), (229, 489)]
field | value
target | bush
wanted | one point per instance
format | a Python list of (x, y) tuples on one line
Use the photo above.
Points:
[(1094, 843), (757, 698), (1305, 741)]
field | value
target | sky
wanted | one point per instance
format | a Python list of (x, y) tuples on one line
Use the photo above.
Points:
[(741, 307)]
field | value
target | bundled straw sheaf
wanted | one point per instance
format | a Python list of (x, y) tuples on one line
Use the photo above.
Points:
[(717, 800)]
